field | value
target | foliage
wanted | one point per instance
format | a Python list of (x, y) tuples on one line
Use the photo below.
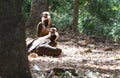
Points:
[(26, 8), (96, 17), (103, 9), (90, 25), (115, 32), (62, 12), (64, 74), (62, 21), (100, 17)]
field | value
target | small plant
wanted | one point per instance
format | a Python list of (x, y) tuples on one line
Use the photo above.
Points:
[(115, 76), (65, 74)]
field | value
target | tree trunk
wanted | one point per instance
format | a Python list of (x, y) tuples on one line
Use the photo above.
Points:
[(76, 16), (37, 7), (13, 54)]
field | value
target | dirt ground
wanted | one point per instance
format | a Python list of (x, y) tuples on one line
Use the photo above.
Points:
[(81, 57)]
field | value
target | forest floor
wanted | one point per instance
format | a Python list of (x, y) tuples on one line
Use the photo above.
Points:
[(82, 57)]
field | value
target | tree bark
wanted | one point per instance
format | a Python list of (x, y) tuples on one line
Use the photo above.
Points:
[(76, 15), (13, 54), (37, 7)]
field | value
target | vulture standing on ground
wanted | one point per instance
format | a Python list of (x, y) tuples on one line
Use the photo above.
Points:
[(45, 45)]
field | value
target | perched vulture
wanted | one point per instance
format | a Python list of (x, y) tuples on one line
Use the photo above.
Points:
[(44, 24)]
